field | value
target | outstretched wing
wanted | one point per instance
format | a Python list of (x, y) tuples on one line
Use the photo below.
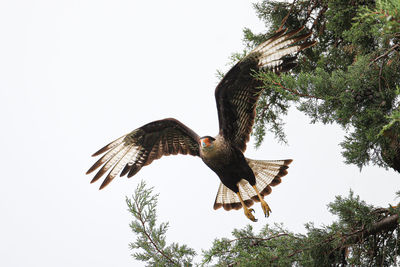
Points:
[(140, 147), (237, 93)]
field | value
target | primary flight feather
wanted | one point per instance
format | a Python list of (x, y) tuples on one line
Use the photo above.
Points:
[(243, 180)]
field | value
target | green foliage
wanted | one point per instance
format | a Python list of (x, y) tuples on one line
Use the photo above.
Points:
[(150, 237), (351, 211), (351, 77), (394, 119), (273, 103), (362, 235), (249, 249), (346, 241), (386, 13), (373, 250)]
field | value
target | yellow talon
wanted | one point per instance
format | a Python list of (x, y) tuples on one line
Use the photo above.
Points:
[(267, 210), (265, 207), (247, 211)]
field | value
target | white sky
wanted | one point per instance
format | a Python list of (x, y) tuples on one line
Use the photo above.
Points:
[(75, 75)]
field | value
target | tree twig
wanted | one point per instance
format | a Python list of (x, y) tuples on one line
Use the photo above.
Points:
[(148, 236), (386, 53), (296, 92), (258, 238)]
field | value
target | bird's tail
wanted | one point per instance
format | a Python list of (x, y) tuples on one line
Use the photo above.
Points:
[(267, 172)]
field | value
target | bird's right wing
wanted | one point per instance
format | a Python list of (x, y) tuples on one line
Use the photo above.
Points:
[(140, 147)]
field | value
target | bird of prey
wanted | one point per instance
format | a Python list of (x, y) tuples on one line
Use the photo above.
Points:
[(243, 180)]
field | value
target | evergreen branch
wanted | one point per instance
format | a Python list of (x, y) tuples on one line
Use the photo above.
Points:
[(145, 231), (258, 238), (352, 238), (151, 236), (386, 53), (301, 250), (385, 14), (294, 92), (386, 224)]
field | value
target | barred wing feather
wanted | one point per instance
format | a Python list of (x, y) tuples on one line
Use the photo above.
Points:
[(129, 153), (237, 93)]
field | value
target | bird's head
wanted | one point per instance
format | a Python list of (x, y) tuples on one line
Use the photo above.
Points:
[(206, 142)]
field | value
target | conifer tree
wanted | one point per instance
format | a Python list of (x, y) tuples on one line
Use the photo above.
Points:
[(351, 77), (362, 235)]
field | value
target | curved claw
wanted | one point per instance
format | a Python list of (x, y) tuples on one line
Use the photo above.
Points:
[(267, 210), (248, 213)]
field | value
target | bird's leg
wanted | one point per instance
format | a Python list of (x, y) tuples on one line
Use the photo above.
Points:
[(264, 204), (247, 211)]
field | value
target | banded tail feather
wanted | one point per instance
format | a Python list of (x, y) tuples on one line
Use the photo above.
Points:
[(267, 172)]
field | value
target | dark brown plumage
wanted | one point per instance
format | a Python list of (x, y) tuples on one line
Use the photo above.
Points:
[(143, 145), (243, 180)]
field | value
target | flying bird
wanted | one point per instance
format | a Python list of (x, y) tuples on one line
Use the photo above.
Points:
[(243, 180)]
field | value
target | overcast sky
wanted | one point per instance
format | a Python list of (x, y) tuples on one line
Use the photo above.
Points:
[(75, 75)]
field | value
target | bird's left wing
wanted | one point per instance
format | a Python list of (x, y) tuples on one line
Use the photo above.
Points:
[(237, 93), (140, 147)]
